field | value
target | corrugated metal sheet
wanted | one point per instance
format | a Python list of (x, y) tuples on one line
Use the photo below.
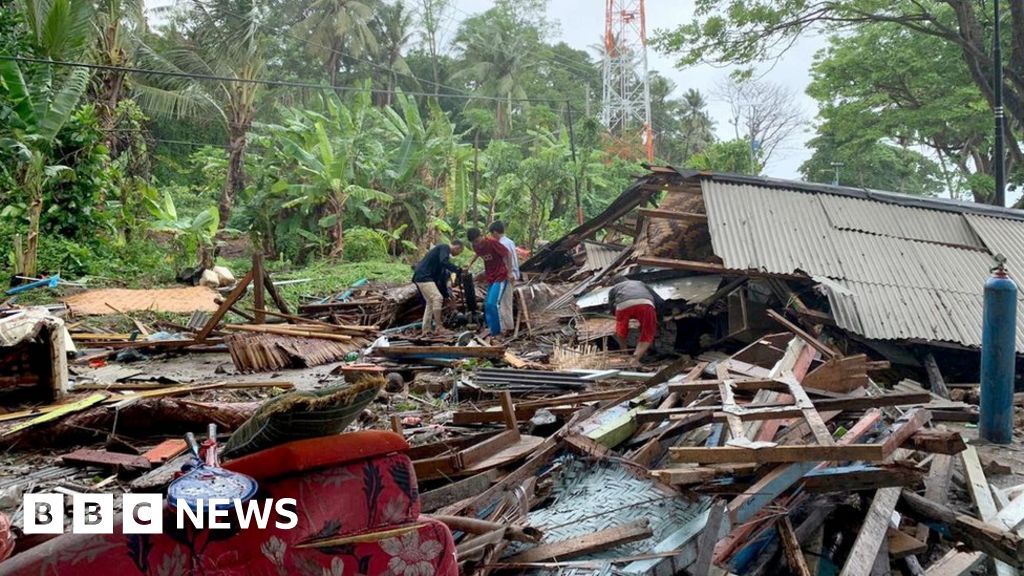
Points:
[(897, 273), (599, 256), (897, 221), (903, 313), (768, 229), (689, 288), (1002, 236)]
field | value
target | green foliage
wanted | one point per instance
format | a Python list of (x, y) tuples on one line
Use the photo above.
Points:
[(734, 157), (192, 234), (365, 245), (881, 90), (898, 73)]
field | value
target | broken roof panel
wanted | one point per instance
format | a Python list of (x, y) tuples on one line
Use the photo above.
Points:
[(689, 288), (898, 221)]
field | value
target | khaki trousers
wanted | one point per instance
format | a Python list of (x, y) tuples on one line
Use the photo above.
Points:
[(435, 302)]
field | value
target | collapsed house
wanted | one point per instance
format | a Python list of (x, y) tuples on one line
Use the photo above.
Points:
[(895, 274), (779, 428)]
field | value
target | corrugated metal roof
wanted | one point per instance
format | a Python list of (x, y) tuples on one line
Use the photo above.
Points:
[(896, 272), (903, 313), (898, 221)]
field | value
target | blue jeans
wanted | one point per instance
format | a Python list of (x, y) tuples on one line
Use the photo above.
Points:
[(492, 313)]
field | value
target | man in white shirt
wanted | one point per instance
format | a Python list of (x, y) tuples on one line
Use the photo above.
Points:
[(497, 230)]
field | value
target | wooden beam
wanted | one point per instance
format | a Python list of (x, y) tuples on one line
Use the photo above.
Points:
[(495, 352), (791, 547), (456, 491), (780, 410), (589, 543), (938, 383), (258, 296), (937, 487), (780, 454), (998, 543), (673, 215), (234, 296), (872, 533), (709, 268), (955, 563), (803, 334)]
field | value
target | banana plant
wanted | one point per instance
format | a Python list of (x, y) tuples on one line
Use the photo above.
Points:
[(36, 101), (334, 156), (194, 234)]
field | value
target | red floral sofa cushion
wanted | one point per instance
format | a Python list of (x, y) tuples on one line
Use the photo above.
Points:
[(358, 510)]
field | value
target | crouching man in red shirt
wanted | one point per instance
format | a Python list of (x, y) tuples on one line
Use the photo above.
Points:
[(634, 300)]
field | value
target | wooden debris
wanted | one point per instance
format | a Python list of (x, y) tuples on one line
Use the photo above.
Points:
[(595, 542)]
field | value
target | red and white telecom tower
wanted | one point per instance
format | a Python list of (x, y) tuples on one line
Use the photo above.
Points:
[(626, 102)]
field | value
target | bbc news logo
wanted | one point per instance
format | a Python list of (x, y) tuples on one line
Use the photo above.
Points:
[(144, 514)]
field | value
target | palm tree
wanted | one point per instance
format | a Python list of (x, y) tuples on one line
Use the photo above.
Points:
[(394, 29), (118, 23), (37, 100), (334, 28), (497, 50), (226, 46), (697, 127)]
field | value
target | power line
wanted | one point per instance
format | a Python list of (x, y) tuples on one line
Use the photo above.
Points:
[(258, 81)]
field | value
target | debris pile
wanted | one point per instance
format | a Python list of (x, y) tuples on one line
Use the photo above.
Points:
[(778, 424)]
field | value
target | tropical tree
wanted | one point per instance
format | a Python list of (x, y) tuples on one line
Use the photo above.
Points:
[(223, 43), (498, 47), (334, 155), (432, 14), (37, 100), (393, 27), (697, 127), (731, 32), (118, 24), (336, 28)]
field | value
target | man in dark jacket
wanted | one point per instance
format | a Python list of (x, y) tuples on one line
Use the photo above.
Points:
[(431, 278), (634, 300)]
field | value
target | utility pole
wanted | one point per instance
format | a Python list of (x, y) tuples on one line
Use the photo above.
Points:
[(626, 98), (997, 90), (836, 166), (575, 164)]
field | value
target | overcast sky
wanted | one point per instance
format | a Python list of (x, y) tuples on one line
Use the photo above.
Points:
[(581, 25)]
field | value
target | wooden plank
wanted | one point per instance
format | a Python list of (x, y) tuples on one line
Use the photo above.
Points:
[(751, 384), (745, 506), (1013, 514), (103, 459), (872, 533), (791, 547), (905, 427), (495, 352), (818, 428), (938, 383), (803, 334), (774, 410), (955, 563), (709, 268), (673, 215), (456, 491), (902, 545), (779, 454), (165, 450), (684, 476), (937, 487), (57, 412), (590, 543), (978, 535), (729, 404), (709, 537), (234, 296)]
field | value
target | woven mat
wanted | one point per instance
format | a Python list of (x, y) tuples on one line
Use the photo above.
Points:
[(182, 300)]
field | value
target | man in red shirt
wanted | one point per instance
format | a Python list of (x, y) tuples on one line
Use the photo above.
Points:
[(497, 273)]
